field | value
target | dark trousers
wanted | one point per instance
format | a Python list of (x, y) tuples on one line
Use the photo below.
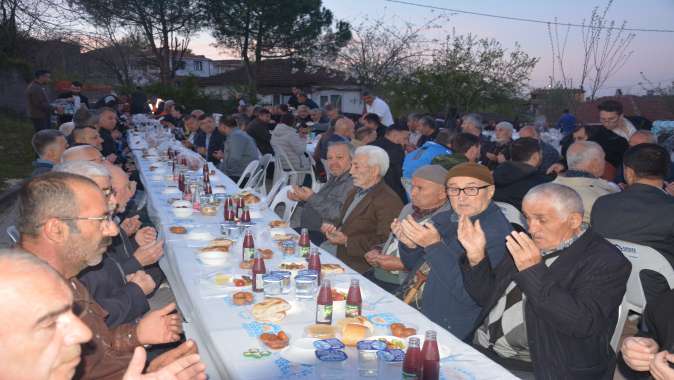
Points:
[(40, 124)]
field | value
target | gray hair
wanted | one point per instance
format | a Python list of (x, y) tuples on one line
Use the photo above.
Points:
[(84, 168), (376, 156), (565, 199), (473, 118), (505, 125), (349, 147), (303, 107), (588, 151)]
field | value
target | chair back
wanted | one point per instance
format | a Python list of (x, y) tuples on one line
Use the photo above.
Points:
[(282, 198), (248, 172), (282, 181), (642, 258), (261, 185), (512, 214)]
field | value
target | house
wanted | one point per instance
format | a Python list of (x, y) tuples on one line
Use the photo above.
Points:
[(637, 108), (276, 77), (201, 66)]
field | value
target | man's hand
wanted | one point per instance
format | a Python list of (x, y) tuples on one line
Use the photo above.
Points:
[(337, 237), (111, 158), (182, 368), (639, 352), (131, 225), (182, 354), (160, 326), (389, 263), (146, 235), (371, 256), (523, 250), (491, 157), (660, 368), (202, 151), (327, 228), (421, 234), (472, 239), (397, 230), (302, 193), (555, 169), (150, 253), (143, 280)]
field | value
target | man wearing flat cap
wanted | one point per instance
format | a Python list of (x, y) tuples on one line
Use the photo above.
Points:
[(428, 199), (470, 188)]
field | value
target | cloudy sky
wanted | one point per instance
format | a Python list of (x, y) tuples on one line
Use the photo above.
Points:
[(653, 52)]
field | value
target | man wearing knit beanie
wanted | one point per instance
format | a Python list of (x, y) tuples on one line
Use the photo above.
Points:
[(470, 188), (428, 199)]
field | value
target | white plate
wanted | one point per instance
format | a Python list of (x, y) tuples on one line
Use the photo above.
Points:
[(301, 351), (230, 284), (445, 351), (200, 235), (214, 261), (389, 337)]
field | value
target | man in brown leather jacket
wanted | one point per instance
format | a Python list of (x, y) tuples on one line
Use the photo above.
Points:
[(64, 219)]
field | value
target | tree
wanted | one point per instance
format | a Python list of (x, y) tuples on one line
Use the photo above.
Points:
[(380, 53), (465, 74), (166, 25), (605, 51), (264, 29)]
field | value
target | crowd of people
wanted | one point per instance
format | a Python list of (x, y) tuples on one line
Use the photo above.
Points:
[(417, 208)]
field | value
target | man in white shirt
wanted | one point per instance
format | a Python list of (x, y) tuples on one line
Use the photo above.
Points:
[(611, 117), (374, 104)]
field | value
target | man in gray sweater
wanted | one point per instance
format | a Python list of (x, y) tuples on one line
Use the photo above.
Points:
[(325, 205), (238, 151)]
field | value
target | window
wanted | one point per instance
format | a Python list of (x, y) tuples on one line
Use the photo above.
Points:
[(198, 66), (324, 100), (336, 100)]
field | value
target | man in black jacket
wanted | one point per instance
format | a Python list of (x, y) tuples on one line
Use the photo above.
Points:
[(643, 213), (208, 139), (515, 177), (393, 143), (258, 129), (552, 305)]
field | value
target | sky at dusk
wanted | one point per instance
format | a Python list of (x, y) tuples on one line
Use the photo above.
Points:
[(653, 52)]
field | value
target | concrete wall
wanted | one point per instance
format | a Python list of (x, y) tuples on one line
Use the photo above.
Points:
[(12, 91)]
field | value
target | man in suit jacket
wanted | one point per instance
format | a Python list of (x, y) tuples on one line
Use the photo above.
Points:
[(208, 140), (368, 210), (643, 213), (552, 304)]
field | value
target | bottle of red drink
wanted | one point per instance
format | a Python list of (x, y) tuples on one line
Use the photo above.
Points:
[(314, 260), (208, 190), (430, 357), (205, 171), (248, 251), (324, 304), (225, 203), (258, 270), (354, 301), (412, 362), (240, 203), (187, 192), (169, 153), (304, 243), (245, 215), (181, 181)]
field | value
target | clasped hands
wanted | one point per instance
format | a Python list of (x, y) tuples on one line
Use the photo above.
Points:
[(413, 234), (300, 193), (333, 234)]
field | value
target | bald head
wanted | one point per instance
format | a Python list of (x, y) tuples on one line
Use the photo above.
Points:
[(82, 153), (642, 137), (529, 131), (345, 127)]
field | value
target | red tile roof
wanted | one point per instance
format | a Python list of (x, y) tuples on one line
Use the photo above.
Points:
[(650, 107)]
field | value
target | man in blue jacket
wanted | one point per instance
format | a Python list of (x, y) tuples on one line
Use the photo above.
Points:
[(470, 188), (425, 154)]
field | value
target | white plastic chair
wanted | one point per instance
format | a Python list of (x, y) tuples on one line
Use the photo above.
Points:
[(282, 181), (315, 183), (281, 161), (641, 257), (248, 172), (282, 198), (14, 234), (512, 214), (261, 184)]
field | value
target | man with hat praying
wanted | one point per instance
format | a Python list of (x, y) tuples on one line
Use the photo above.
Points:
[(428, 199), (470, 188)]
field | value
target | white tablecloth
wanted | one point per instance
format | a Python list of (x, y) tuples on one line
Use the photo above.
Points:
[(225, 331)]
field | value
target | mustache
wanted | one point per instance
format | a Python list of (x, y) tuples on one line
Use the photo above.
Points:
[(106, 241)]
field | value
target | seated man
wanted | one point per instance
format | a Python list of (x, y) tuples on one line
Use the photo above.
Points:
[(191, 123), (426, 153), (325, 205), (445, 301), (373, 123), (49, 145), (208, 140), (468, 146), (552, 304), (428, 130), (65, 220), (641, 214), (41, 334), (239, 149), (84, 153), (343, 130), (503, 136), (286, 139), (428, 198), (87, 134), (367, 212), (393, 143), (649, 354), (585, 160), (550, 154), (515, 177), (258, 129)]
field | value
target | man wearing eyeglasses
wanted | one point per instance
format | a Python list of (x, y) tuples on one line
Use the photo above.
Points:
[(65, 220), (470, 188)]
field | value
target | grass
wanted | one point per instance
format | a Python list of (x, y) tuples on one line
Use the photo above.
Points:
[(17, 153)]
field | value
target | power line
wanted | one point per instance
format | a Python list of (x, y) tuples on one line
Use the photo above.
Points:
[(537, 21)]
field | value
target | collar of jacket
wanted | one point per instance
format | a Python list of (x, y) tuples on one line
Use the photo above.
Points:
[(577, 173)]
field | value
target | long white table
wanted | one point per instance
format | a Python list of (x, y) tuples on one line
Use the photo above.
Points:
[(224, 331)]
